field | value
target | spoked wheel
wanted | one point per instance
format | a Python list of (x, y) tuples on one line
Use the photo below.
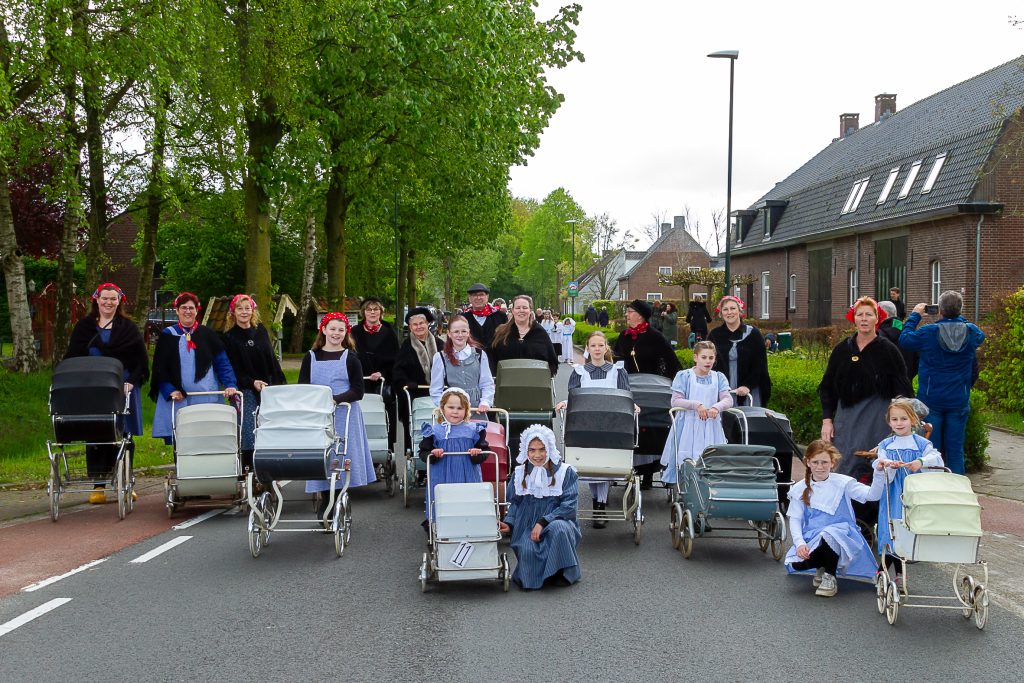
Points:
[(424, 573), (54, 490), (406, 482), (980, 606), (881, 588), (346, 509), (778, 529), (686, 534), (892, 603), (965, 591), (120, 486), (129, 481), (638, 526), (339, 539), (255, 534), (675, 515), (763, 536), (506, 574)]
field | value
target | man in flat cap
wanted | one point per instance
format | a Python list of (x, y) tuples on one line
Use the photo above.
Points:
[(483, 318)]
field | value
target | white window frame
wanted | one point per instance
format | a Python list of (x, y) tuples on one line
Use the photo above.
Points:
[(692, 269), (852, 288), (915, 168), (664, 270), (933, 173), (654, 296), (935, 269), (887, 188), (625, 296), (792, 292), (856, 194), (766, 291)]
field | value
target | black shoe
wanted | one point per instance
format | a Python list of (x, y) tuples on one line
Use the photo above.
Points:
[(426, 526), (599, 508)]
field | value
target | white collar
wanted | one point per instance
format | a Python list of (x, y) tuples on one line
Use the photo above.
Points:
[(538, 481), (827, 495)]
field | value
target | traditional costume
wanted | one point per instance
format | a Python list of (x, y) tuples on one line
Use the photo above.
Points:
[(412, 369), (609, 376), (901, 449), (740, 355), (455, 466), (645, 350), (568, 328), (471, 373), (535, 344), (691, 435), (483, 323)]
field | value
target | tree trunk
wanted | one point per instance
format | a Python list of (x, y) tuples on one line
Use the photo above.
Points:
[(264, 132), (400, 293), (154, 197), (410, 284), (449, 294), (71, 179), (337, 203), (308, 275), (11, 259), (96, 260)]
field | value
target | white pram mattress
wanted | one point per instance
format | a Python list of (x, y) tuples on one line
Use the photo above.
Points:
[(295, 417)]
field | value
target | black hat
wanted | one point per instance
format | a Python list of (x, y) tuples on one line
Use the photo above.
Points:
[(370, 300), (478, 287), (642, 307), (420, 310)]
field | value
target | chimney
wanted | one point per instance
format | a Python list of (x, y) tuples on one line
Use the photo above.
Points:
[(679, 222), (665, 227), (848, 123), (885, 106)]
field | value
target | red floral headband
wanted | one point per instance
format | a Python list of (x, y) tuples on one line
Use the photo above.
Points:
[(730, 297), (187, 296), (334, 316), (867, 301), (109, 285), (236, 297)]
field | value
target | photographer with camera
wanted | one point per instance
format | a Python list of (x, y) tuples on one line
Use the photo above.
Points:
[(947, 369)]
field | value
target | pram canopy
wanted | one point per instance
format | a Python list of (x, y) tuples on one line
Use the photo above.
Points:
[(206, 429), (941, 504), (295, 417), (599, 418), (523, 384), (739, 465), (87, 385), (653, 393)]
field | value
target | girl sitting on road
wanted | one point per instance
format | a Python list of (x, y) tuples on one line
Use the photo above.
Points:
[(822, 523), (454, 447), (703, 394)]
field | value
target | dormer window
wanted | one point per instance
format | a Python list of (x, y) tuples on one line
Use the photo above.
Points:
[(889, 182), (909, 182), (933, 174), (856, 194)]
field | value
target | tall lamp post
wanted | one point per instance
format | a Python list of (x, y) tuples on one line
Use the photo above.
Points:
[(541, 259), (732, 56), (572, 274)]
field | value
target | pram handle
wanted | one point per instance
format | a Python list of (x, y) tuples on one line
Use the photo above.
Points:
[(380, 390), (430, 489)]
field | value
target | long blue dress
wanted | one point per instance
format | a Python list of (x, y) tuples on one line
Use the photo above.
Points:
[(453, 469), (209, 382), (556, 551), (334, 374), (905, 449)]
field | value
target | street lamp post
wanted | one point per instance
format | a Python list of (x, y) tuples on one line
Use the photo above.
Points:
[(572, 274), (541, 259), (732, 56)]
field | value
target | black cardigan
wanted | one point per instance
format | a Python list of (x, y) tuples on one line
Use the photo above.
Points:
[(252, 356), (650, 353), (752, 363), (126, 344), (407, 371), (877, 371), (352, 366), (485, 333), (378, 351), (536, 345)]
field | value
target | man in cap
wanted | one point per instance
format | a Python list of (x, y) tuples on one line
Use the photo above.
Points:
[(483, 318)]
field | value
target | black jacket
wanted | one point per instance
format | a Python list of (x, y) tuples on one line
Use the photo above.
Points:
[(752, 363), (126, 344), (378, 351), (167, 363), (485, 333), (890, 331), (855, 374), (252, 356), (698, 317), (650, 353), (536, 345), (407, 371)]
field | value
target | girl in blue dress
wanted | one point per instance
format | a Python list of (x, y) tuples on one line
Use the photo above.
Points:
[(541, 517), (333, 362), (822, 523), (448, 443)]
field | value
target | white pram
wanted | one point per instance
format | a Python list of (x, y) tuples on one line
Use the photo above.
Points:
[(296, 440), (375, 419)]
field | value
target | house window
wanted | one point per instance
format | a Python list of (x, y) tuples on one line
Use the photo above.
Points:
[(853, 201), (911, 177), (936, 280), (766, 288), (792, 292), (852, 286), (889, 182), (664, 270), (624, 296), (692, 269), (933, 174), (654, 296)]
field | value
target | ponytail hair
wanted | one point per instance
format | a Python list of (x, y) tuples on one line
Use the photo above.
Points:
[(814, 448)]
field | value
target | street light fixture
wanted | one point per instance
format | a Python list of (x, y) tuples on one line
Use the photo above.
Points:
[(572, 274), (732, 56), (541, 259)]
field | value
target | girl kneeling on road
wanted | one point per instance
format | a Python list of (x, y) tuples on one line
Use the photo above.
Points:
[(821, 521)]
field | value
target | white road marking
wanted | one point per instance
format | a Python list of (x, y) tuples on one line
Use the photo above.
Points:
[(54, 579), (159, 550), (32, 614), (196, 520)]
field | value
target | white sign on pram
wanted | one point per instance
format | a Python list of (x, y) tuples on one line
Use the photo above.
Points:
[(462, 554)]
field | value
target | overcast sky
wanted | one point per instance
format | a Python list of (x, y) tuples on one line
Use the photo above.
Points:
[(644, 125)]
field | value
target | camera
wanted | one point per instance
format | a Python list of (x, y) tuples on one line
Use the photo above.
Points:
[(932, 309)]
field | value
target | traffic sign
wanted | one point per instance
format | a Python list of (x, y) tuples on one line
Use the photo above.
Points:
[(574, 289)]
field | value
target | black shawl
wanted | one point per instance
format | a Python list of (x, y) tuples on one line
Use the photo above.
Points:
[(407, 371), (877, 371), (252, 356), (378, 351), (752, 361), (536, 345), (126, 344), (650, 353), (167, 364)]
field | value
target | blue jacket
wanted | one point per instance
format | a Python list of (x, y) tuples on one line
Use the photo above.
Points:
[(946, 351)]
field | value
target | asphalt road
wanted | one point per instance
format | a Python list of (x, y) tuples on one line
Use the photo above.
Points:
[(206, 610)]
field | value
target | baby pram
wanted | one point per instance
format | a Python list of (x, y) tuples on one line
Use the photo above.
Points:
[(296, 440), (599, 430), (523, 388), (757, 426), (653, 393), (497, 466), (375, 419), (414, 473), (941, 523), (729, 482), (88, 407), (207, 469)]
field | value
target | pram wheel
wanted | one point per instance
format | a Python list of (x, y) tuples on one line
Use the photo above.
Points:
[(763, 536), (255, 536), (638, 525), (339, 541), (686, 534), (54, 490), (120, 486), (778, 532), (406, 480), (980, 607), (675, 515), (881, 588), (506, 575), (892, 603), (424, 573)]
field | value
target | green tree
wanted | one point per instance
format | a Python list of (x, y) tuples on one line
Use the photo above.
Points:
[(547, 235)]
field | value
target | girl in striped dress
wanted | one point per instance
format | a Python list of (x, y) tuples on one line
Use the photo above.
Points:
[(541, 517)]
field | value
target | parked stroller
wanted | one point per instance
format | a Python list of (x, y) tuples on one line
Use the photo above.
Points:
[(88, 407), (463, 543), (497, 466), (757, 426), (207, 466), (941, 523), (296, 441), (414, 473), (599, 430), (375, 419), (653, 393), (524, 388)]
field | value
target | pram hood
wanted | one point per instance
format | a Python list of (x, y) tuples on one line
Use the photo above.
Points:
[(87, 385), (941, 503), (599, 418), (653, 393), (295, 417), (523, 384), (206, 429), (739, 465)]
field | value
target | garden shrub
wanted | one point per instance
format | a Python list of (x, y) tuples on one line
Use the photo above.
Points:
[(976, 435), (1002, 354)]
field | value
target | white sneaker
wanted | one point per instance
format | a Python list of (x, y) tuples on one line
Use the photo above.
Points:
[(828, 587), (816, 581)]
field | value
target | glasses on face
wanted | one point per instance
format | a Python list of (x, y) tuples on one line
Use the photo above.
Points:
[(187, 308)]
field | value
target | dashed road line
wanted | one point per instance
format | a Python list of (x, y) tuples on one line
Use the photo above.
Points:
[(31, 614), (196, 520), (159, 550), (54, 579)]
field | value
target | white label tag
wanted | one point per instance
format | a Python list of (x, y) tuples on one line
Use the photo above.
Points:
[(461, 555)]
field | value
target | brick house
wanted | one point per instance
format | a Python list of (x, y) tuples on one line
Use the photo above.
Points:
[(605, 274), (674, 249), (120, 250), (904, 202)]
